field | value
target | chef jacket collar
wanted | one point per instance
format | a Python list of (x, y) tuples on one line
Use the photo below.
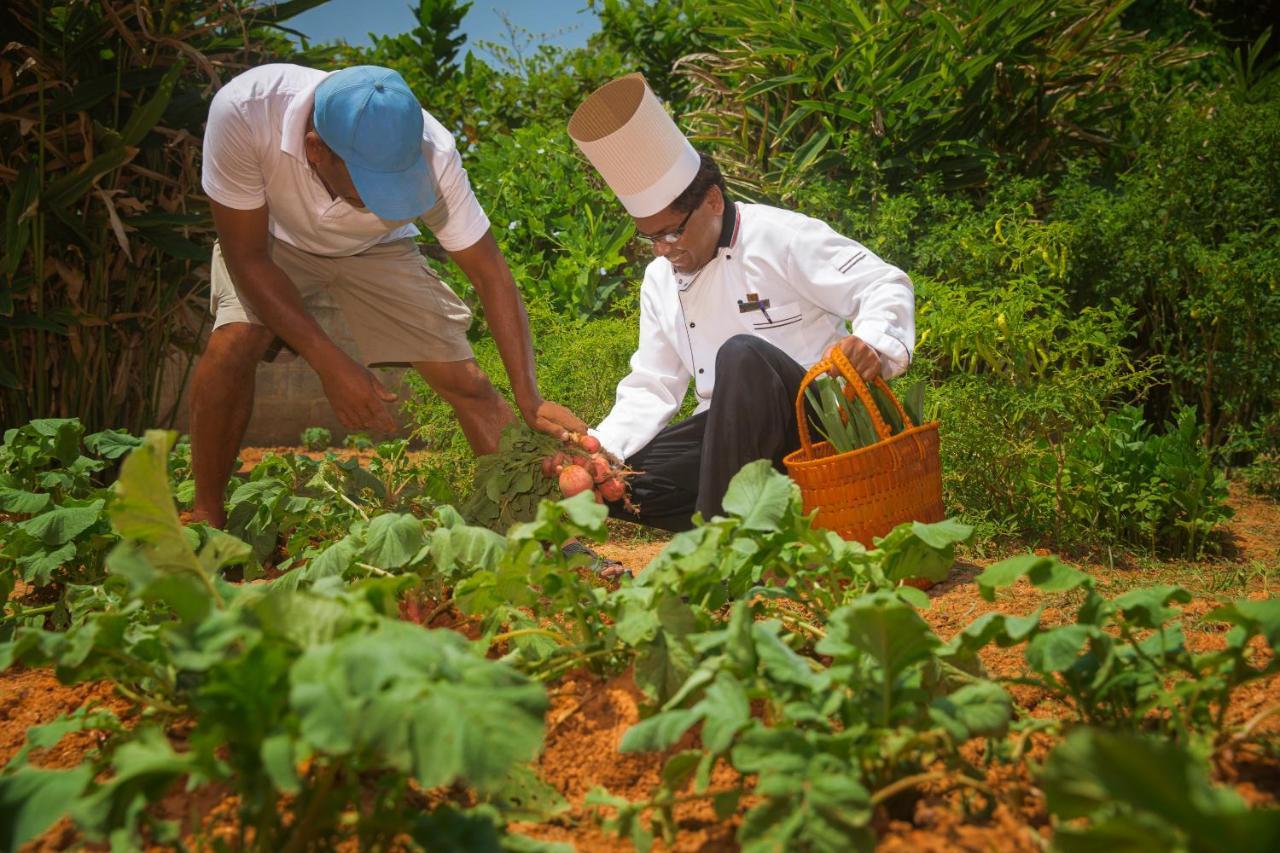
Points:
[(730, 225)]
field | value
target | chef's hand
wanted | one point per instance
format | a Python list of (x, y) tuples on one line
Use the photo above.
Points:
[(554, 419), (861, 355)]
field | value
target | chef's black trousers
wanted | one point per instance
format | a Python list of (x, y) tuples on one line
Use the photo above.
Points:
[(688, 465)]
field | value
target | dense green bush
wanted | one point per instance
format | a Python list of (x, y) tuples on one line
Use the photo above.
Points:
[(1263, 476), (653, 36), (1155, 491), (567, 239), (105, 227), (880, 94), (1190, 238), (1019, 374)]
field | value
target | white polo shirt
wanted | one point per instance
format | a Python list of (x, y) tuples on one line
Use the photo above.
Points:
[(254, 154), (815, 282)]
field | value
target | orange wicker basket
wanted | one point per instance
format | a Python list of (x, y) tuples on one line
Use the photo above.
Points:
[(869, 491)]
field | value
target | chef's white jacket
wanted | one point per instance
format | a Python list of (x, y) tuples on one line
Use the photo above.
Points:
[(815, 281)]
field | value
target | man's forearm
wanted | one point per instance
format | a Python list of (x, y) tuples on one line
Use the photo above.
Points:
[(509, 324), (277, 303)]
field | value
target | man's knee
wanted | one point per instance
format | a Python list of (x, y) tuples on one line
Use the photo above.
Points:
[(739, 352), (237, 347), (459, 382)]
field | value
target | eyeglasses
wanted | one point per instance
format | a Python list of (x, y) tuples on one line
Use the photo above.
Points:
[(669, 237)]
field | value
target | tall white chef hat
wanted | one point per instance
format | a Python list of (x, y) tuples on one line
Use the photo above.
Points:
[(634, 144)]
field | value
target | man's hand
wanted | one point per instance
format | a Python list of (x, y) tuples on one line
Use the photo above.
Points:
[(357, 397), (861, 355), (554, 419)]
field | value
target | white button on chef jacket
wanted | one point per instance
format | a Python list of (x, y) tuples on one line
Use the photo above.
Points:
[(820, 287)]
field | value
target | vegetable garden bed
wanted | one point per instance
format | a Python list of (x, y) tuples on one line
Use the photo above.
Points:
[(971, 771)]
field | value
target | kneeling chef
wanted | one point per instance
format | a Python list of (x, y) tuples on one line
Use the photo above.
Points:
[(741, 299)]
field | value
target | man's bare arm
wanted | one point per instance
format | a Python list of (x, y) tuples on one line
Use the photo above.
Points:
[(355, 393), (486, 268)]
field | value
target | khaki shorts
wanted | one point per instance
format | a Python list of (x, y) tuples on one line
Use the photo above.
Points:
[(398, 310)]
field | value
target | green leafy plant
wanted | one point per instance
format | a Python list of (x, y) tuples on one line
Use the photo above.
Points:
[(358, 441), (54, 529), (843, 418), (308, 670), (883, 94), (316, 438), (1204, 274), (104, 222), (1159, 491), (1146, 794), (1263, 475), (1124, 662)]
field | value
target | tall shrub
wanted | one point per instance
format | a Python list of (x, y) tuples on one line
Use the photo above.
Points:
[(884, 93), (101, 108), (1190, 238)]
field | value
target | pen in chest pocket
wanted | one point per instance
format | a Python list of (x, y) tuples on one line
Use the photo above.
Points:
[(753, 302)]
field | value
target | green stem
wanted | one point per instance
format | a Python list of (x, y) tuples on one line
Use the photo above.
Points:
[(565, 665), (923, 778), (19, 611), (341, 495), (303, 828), (792, 621), (150, 701), (531, 632)]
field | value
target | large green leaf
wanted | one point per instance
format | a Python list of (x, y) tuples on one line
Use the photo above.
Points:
[(1047, 573), (418, 701), (62, 434), (664, 663), (979, 709), (459, 549), (32, 800), (144, 117), (1257, 617), (145, 511), (725, 712), (659, 732), (23, 502), (760, 496), (1000, 628), (1147, 607), (1057, 649), (392, 540), (111, 443), (155, 547), (59, 526), (1094, 771), (38, 568), (918, 550), (884, 627)]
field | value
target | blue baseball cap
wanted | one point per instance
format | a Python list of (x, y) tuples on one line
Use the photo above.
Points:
[(371, 119)]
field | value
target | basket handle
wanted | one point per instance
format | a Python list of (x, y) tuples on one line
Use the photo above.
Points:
[(855, 386)]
